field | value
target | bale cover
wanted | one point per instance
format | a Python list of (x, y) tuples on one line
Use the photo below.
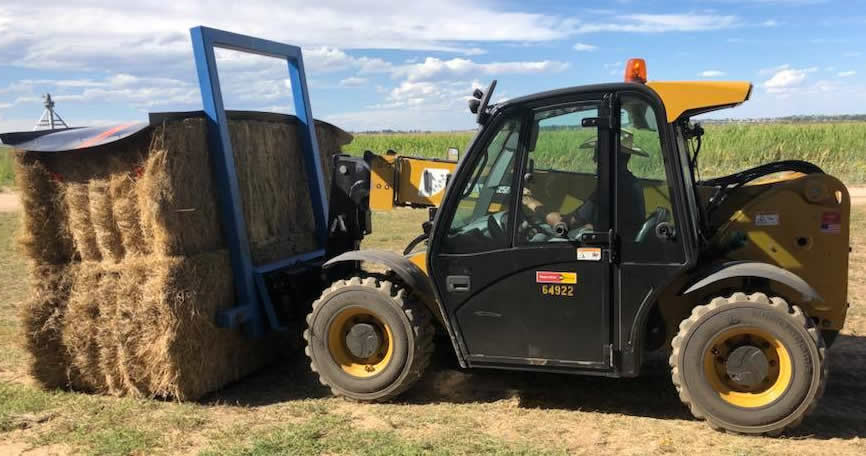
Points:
[(128, 263)]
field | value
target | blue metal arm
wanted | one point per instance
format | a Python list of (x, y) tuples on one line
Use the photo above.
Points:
[(253, 307)]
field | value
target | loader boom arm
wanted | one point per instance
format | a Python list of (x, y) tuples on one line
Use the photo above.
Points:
[(401, 181)]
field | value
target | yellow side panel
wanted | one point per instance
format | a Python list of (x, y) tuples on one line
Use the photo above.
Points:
[(419, 259), (421, 181), (681, 96), (801, 225), (382, 182)]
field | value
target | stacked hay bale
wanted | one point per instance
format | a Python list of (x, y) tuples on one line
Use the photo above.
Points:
[(129, 266)]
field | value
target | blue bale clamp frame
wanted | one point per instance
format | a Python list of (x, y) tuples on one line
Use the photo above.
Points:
[(251, 293)]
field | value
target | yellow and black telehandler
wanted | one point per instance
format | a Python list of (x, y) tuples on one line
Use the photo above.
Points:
[(575, 236)]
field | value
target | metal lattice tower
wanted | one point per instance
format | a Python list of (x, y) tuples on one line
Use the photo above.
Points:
[(50, 119)]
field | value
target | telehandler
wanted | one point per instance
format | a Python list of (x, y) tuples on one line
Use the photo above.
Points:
[(575, 236)]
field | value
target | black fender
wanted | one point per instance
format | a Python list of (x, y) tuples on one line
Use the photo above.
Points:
[(692, 283), (750, 269), (414, 278)]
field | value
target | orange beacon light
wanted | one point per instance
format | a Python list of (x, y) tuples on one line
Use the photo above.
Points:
[(635, 71)]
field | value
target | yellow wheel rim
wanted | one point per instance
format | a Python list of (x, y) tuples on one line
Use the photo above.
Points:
[(771, 388), (353, 365)]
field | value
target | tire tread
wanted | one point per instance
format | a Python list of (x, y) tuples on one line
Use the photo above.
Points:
[(791, 311), (419, 319)]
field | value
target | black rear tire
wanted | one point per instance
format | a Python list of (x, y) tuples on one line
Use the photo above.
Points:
[(409, 330), (703, 342)]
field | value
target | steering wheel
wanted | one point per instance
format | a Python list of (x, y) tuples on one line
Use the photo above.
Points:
[(496, 230), (659, 215)]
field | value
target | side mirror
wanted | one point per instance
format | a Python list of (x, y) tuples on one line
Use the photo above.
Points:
[(453, 154)]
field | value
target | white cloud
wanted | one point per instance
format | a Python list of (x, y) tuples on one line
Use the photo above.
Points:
[(659, 23), (400, 118), (711, 74), (155, 35), (786, 79), (779, 2), (353, 81), (429, 95), (115, 88), (583, 47), (474, 51), (773, 70), (9, 125), (770, 23), (846, 74), (433, 67), (408, 89)]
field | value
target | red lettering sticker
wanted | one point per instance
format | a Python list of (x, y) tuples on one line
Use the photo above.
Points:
[(555, 277), (831, 222)]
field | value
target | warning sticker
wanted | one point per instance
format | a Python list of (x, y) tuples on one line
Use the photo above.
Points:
[(555, 277), (589, 254), (433, 181), (767, 219), (831, 222)]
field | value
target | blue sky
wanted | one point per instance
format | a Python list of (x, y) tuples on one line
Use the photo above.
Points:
[(395, 64)]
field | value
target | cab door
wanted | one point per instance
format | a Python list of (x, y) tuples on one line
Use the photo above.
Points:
[(520, 254)]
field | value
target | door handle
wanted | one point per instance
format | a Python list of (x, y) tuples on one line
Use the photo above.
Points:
[(458, 283), (596, 238), (602, 239)]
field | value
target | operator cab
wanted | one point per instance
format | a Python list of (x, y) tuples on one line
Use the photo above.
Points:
[(560, 195)]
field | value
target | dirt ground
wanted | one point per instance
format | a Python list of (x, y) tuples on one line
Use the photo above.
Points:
[(9, 202)]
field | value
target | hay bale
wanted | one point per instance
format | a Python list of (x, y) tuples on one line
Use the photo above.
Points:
[(106, 231), (130, 265), (145, 327), (184, 354), (42, 319), (176, 191), (127, 214), (81, 327), (45, 235), (77, 199)]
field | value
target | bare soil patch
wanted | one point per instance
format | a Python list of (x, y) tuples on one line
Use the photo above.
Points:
[(9, 202)]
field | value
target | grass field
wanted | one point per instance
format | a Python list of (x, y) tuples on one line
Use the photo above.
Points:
[(7, 175), (284, 410), (838, 148)]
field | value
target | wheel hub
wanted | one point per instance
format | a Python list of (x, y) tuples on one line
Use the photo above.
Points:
[(363, 340), (748, 366)]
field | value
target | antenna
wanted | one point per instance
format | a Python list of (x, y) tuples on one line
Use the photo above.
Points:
[(50, 119)]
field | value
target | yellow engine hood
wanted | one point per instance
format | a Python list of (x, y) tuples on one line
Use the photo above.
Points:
[(696, 97)]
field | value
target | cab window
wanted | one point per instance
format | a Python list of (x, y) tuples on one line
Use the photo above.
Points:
[(645, 211), (559, 197), (481, 218)]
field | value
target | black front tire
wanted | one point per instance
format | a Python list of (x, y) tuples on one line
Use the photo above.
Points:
[(411, 332)]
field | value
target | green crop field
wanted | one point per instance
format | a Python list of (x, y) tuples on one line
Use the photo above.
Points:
[(839, 148)]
